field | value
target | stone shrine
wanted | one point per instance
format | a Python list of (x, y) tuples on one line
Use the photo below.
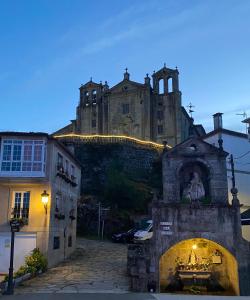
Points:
[(197, 244)]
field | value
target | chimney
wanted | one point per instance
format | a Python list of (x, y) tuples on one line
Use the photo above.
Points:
[(218, 121)]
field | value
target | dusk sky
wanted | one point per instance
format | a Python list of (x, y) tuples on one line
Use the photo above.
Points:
[(48, 48)]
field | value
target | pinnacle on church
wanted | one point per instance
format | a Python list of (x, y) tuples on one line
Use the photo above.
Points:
[(126, 74)]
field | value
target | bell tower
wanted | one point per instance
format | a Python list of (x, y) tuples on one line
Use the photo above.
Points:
[(166, 106), (89, 110)]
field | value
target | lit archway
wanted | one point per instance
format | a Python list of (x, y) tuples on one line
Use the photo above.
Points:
[(198, 266)]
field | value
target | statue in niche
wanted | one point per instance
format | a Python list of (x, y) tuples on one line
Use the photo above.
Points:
[(195, 189)]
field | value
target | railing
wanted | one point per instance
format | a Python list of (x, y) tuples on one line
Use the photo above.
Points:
[(65, 176)]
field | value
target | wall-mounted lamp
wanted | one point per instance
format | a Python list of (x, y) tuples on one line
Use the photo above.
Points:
[(45, 200)]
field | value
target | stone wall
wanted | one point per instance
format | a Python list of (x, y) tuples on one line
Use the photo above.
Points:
[(97, 157)]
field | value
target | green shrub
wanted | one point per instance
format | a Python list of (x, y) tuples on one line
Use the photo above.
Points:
[(36, 262), (33, 263)]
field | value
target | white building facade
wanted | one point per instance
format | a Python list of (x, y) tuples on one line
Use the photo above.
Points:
[(237, 144), (32, 164)]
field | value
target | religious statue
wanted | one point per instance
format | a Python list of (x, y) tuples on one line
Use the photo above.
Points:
[(195, 189)]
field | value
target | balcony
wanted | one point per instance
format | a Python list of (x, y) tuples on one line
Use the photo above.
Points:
[(71, 179)]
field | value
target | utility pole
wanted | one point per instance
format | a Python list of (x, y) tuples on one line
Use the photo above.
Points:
[(234, 190), (232, 170), (99, 218)]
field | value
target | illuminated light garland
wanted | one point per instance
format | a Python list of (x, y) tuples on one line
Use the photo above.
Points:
[(124, 137)]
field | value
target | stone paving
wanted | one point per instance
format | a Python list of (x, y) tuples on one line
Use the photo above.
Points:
[(96, 266)]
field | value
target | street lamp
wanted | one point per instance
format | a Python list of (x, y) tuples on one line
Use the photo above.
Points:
[(15, 227), (45, 200)]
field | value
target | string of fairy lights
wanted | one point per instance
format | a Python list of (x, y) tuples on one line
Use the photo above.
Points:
[(112, 137)]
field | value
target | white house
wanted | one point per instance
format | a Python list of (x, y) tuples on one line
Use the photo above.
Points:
[(39, 186), (237, 144)]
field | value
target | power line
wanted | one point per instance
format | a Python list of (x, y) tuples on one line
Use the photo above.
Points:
[(242, 155)]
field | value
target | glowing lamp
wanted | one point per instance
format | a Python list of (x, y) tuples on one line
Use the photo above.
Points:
[(194, 247), (45, 200)]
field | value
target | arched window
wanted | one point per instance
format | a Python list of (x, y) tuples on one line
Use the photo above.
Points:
[(94, 97), (170, 85), (86, 94), (161, 86)]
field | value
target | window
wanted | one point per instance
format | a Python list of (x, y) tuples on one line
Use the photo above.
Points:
[(22, 156), (160, 129), (58, 201), (94, 94), (56, 244), (160, 115), (70, 241), (161, 86), (67, 166), (125, 108), (170, 85), (93, 123), (59, 161), (72, 171), (21, 205)]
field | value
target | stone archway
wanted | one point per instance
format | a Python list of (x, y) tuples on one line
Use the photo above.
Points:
[(198, 266)]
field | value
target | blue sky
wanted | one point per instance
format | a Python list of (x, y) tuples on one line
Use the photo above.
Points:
[(48, 48)]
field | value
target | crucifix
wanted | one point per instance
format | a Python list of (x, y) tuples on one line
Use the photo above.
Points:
[(190, 106)]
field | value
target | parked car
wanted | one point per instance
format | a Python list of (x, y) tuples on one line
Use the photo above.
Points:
[(145, 233), (124, 237)]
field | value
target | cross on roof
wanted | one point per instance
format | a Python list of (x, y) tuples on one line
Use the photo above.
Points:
[(190, 110)]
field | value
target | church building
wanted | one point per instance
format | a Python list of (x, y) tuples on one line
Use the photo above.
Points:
[(150, 112)]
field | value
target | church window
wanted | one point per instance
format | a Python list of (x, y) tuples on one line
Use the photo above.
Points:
[(161, 86), (160, 115), (160, 129), (94, 94), (125, 108), (170, 85), (86, 95), (93, 123)]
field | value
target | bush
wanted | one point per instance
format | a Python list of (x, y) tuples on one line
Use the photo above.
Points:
[(33, 263), (36, 262)]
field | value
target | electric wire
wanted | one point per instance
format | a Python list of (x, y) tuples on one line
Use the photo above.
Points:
[(243, 155)]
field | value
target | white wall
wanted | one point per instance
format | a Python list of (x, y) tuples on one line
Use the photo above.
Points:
[(24, 244), (237, 146)]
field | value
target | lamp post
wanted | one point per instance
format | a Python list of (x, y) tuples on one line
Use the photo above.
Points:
[(15, 227), (45, 200)]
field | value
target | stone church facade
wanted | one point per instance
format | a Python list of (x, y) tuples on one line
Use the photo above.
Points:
[(141, 110)]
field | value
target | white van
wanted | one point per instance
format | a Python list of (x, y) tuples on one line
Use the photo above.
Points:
[(145, 233)]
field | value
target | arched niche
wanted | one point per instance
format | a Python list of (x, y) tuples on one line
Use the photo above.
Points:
[(191, 173), (198, 265)]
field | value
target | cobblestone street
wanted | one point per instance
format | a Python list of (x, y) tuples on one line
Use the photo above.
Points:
[(96, 266)]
